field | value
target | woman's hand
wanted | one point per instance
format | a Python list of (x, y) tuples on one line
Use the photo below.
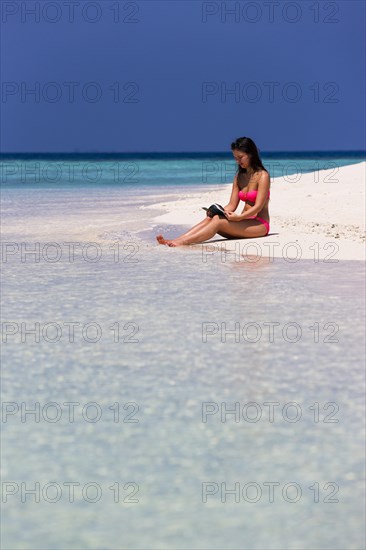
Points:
[(232, 217)]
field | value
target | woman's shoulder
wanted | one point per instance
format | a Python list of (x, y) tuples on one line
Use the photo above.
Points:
[(262, 174)]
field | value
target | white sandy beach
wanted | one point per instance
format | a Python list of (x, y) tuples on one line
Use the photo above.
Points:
[(326, 206)]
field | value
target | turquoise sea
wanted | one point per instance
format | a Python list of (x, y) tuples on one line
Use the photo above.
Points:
[(155, 169), (157, 398)]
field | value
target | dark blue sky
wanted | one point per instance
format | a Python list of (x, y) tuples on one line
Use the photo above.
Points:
[(295, 70)]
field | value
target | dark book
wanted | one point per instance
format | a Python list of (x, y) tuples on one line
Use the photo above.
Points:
[(215, 209)]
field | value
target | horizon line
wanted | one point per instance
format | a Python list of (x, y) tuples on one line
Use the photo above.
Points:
[(363, 151)]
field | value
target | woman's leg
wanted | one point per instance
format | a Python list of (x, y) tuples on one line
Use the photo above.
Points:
[(240, 230), (189, 233)]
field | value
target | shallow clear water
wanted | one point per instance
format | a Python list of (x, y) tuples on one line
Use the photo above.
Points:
[(176, 380)]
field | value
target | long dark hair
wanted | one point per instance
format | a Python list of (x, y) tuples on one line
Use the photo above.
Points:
[(247, 145)]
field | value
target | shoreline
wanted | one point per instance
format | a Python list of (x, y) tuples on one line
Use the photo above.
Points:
[(317, 215)]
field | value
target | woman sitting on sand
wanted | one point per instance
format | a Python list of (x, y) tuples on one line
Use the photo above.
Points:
[(251, 185)]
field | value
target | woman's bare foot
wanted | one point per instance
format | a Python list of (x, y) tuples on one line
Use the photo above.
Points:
[(169, 242), (161, 239), (176, 242)]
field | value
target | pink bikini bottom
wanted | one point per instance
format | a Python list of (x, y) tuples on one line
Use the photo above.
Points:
[(262, 221)]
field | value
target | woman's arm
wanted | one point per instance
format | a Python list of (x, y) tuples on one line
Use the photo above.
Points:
[(234, 199)]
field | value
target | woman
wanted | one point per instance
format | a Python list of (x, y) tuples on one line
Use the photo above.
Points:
[(251, 185)]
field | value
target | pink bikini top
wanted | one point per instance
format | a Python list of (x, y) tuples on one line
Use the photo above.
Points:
[(250, 196)]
